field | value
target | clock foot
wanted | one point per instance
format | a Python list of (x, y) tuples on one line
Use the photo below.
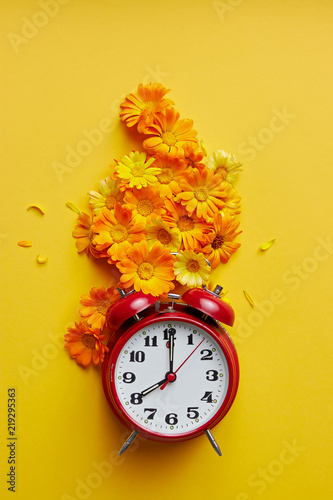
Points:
[(128, 441), (213, 443)]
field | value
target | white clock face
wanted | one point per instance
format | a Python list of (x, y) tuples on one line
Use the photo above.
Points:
[(171, 391)]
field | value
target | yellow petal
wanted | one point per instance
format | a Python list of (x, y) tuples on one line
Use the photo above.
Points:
[(248, 298), (203, 147), (41, 259), (267, 245), (38, 208), (73, 207), (24, 243)]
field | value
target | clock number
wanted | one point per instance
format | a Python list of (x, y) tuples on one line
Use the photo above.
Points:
[(129, 377), (208, 356), (212, 375), (192, 412), (169, 331), (207, 397), (190, 339), (171, 418), (138, 356), (136, 398), (152, 414), (151, 342)]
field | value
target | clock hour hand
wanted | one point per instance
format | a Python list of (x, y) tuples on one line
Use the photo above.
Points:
[(153, 387)]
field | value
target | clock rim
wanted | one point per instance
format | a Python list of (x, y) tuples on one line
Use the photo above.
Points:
[(218, 333)]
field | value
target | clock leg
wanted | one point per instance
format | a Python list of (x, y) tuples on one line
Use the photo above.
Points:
[(213, 443), (128, 441)]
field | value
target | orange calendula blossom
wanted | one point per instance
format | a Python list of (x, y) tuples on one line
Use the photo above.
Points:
[(192, 231), (169, 133), (145, 204), (173, 169), (141, 108), (134, 170), (159, 231), (116, 232), (191, 269), (193, 158), (109, 193), (96, 304), (149, 271), (224, 164), (84, 236), (221, 241), (202, 193), (85, 344)]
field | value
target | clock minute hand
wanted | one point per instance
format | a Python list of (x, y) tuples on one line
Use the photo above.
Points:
[(153, 387), (171, 350)]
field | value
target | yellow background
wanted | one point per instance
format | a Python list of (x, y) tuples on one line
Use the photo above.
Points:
[(232, 66)]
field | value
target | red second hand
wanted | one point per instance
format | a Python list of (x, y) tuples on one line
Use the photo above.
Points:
[(165, 383)]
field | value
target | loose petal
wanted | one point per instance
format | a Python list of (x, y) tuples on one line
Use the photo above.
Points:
[(24, 243), (73, 207), (42, 259), (248, 298), (38, 208), (267, 245)]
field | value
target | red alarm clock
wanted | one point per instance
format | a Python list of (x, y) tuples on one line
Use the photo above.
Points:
[(172, 371)]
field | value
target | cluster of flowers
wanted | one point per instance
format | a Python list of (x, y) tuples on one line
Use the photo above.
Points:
[(157, 217)]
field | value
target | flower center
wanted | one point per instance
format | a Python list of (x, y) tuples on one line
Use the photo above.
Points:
[(89, 341), (192, 266), (163, 236), (138, 171), (169, 138), (222, 171), (165, 176), (218, 242), (110, 201), (201, 193), (145, 207), (145, 270), (149, 106), (103, 307), (185, 223), (119, 233)]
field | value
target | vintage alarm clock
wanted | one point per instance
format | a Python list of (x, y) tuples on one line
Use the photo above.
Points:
[(172, 371)]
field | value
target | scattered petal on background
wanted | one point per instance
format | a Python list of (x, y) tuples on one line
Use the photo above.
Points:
[(73, 207), (248, 298), (42, 259), (36, 207), (267, 245), (24, 243)]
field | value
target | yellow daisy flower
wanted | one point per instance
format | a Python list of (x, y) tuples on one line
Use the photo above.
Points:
[(173, 169), (221, 241), (151, 272), (169, 134), (134, 171), (159, 231), (115, 232), (232, 201), (140, 108), (145, 204), (191, 230), (202, 193), (191, 269), (109, 193), (225, 165)]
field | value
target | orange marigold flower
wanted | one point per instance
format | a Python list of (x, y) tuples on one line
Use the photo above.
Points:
[(84, 236), (169, 134), (145, 204), (191, 230), (159, 231), (140, 109), (85, 344), (151, 272), (96, 304), (173, 169), (221, 241), (109, 193), (193, 158), (202, 193), (116, 232), (232, 201)]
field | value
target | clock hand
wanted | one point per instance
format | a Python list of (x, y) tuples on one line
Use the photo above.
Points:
[(153, 387), (174, 373), (171, 349)]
